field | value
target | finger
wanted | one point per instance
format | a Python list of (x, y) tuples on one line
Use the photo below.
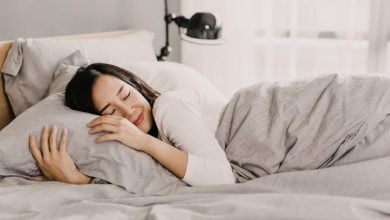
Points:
[(47, 176), (104, 127), (36, 153), (106, 137), (108, 119), (64, 137), (44, 141), (52, 140), (43, 178), (38, 178)]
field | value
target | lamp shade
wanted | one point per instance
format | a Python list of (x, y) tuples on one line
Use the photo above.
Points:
[(203, 25), (203, 28)]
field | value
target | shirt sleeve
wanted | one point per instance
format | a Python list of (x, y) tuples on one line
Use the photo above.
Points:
[(178, 116)]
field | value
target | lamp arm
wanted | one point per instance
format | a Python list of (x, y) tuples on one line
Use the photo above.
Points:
[(180, 21), (168, 18), (164, 52)]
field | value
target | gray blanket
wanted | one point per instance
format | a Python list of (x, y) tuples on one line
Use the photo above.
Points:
[(305, 124), (353, 184)]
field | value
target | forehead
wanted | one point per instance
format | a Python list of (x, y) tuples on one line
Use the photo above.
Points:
[(107, 81), (105, 88)]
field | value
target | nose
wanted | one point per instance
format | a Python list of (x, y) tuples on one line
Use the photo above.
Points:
[(124, 109)]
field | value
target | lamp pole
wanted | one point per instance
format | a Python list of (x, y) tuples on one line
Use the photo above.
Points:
[(181, 22), (166, 49)]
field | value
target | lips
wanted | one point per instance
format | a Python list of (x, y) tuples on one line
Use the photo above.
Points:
[(139, 119)]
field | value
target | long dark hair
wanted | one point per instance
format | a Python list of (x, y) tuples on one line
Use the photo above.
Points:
[(78, 93)]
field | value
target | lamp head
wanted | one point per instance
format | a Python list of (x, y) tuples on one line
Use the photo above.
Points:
[(202, 28), (203, 25)]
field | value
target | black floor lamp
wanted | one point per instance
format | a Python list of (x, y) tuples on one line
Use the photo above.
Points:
[(202, 28)]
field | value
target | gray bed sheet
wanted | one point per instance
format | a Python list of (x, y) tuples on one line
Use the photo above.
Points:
[(354, 191)]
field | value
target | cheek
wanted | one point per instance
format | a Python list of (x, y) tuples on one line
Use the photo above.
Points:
[(116, 113), (140, 100), (148, 113)]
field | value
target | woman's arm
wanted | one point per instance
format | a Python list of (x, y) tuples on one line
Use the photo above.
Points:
[(124, 131), (76, 179), (81, 178), (196, 156), (127, 133), (170, 157), (180, 117)]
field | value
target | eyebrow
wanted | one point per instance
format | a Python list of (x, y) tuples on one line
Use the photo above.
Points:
[(106, 106)]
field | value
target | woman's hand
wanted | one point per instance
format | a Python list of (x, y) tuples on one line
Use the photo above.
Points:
[(120, 129), (55, 163)]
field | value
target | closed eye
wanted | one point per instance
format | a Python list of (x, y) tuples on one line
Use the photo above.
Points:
[(113, 111), (127, 96)]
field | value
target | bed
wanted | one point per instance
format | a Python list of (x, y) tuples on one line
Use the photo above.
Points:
[(353, 191)]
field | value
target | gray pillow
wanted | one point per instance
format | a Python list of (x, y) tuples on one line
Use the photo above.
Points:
[(116, 163), (112, 161), (30, 63), (66, 69)]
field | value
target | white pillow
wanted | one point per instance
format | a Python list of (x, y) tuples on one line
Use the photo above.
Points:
[(30, 63), (162, 76), (166, 76)]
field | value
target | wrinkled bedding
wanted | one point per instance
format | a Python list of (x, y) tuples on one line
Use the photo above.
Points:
[(311, 123), (355, 191), (345, 133)]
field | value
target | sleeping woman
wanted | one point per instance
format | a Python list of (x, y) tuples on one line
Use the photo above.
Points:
[(264, 129), (169, 127)]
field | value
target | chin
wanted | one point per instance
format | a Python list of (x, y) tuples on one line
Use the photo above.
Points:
[(145, 127)]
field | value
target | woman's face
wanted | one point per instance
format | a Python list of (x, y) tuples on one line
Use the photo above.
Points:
[(112, 96)]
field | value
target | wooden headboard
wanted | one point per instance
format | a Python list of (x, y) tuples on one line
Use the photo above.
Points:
[(6, 114)]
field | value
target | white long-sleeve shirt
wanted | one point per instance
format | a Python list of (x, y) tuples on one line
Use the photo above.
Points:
[(188, 120)]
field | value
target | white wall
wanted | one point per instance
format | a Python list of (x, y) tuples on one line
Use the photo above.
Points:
[(268, 40), (217, 62), (44, 18)]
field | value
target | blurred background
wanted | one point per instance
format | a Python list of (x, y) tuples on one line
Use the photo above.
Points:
[(264, 40), (287, 39)]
